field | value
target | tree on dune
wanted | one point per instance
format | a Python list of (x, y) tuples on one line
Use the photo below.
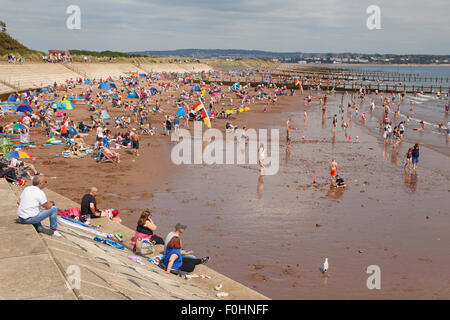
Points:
[(3, 26)]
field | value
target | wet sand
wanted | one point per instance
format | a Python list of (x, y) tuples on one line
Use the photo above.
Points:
[(273, 233)]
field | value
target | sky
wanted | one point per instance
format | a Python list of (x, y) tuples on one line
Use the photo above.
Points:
[(407, 26)]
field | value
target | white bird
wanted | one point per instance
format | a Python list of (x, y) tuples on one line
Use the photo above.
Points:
[(325, 265)]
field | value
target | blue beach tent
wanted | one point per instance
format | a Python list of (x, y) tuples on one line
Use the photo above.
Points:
[(104, 85), (24, 107), (132, 94), (12, 98)]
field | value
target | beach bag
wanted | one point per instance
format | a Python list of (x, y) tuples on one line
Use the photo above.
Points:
[(63, 213), (144, 246)]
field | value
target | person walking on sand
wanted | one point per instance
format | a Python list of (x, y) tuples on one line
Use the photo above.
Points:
[(288, 132), (30, 203), (261, 153), (135, 142), (415, 156), (333, 170)]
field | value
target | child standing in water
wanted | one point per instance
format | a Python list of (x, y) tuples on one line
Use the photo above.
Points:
[(415, 156), (408, 157), (333, 170), (261, 154)]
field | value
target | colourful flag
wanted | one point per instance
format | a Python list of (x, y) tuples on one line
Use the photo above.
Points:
[(198, 106), (205, 118), (297, 83)]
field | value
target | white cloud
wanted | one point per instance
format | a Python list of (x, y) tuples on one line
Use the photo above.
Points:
[(275, 25)]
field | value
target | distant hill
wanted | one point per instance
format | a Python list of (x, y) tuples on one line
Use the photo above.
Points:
[(219, 53)]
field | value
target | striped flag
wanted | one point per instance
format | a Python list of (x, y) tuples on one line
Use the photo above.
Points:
[(205, 118), (198, 106)]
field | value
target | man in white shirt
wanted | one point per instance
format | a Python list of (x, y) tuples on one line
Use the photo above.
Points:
[(30, 202)]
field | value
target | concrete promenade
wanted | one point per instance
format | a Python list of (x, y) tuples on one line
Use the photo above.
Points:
[(38, 266)]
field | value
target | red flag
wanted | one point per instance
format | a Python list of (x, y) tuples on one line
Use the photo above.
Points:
[(198, 106)]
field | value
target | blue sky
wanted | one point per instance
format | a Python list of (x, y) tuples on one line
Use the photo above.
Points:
[(408, 26)]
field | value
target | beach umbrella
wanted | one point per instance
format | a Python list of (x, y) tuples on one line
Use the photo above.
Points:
[(24, 107), (20, 126), (18, 155)]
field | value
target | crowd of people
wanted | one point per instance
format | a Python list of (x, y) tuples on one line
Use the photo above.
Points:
[(125, 131)]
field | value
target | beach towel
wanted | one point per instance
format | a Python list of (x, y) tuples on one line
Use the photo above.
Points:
[(109, 242), (81, 226)]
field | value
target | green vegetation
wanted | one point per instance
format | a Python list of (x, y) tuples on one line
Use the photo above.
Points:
[(3, 25), (103, 54), (8, 45)]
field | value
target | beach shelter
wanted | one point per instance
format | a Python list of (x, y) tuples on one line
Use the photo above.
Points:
[(196, 88), (112, 84), (12, 98), (87, 81), (247, 96), (66, 104), (44, 90), (181, 112), (142, 75), (236, 86), (105, 115), (153, 90), (132, 94), (24, 107), (104, 85)]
